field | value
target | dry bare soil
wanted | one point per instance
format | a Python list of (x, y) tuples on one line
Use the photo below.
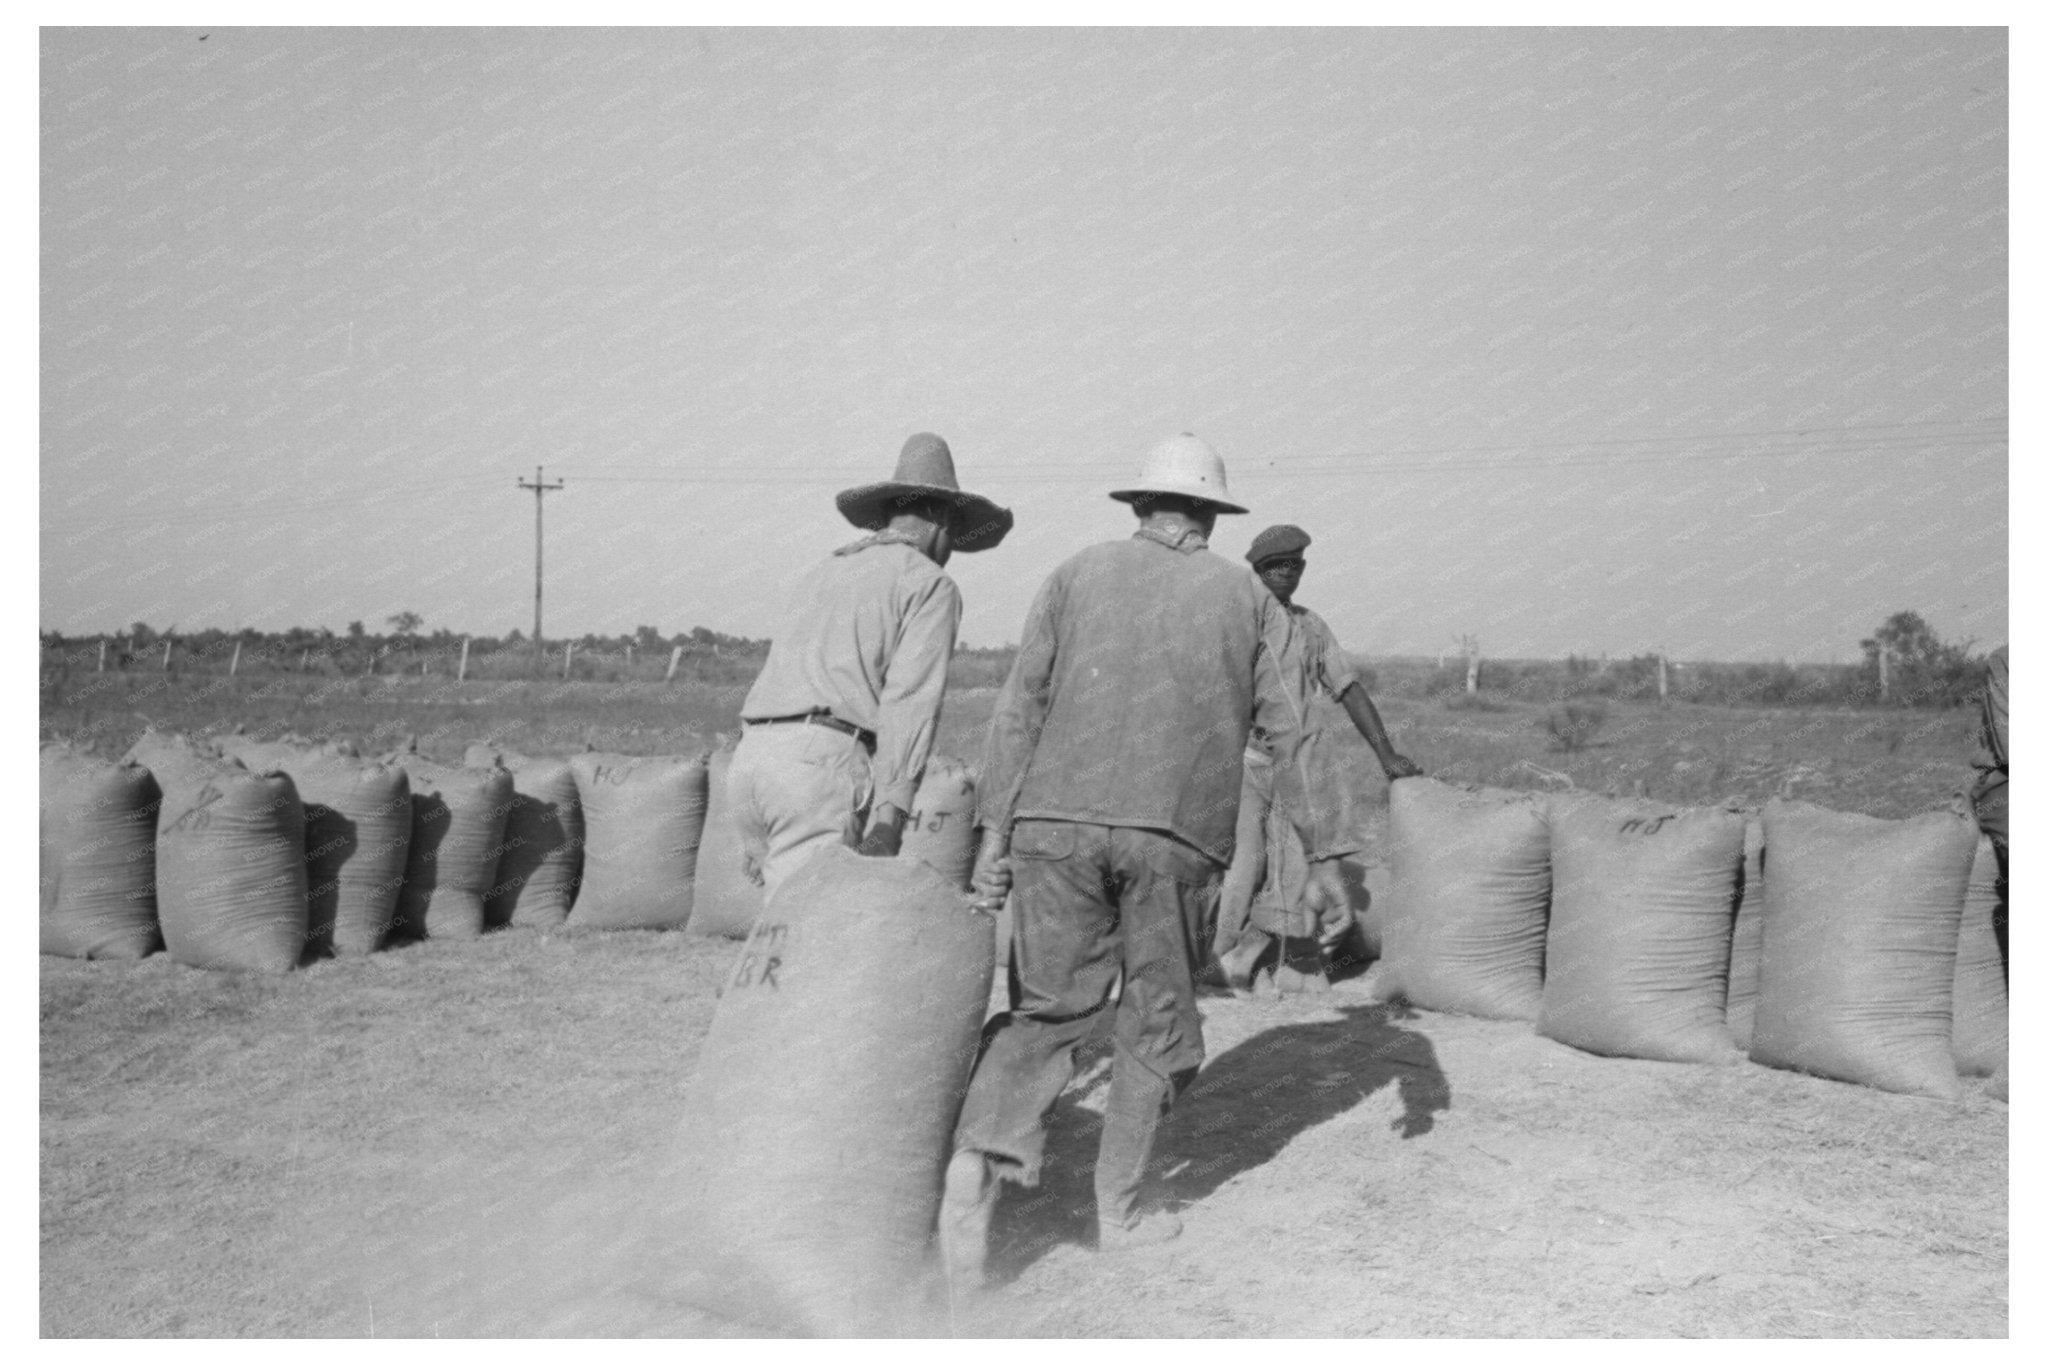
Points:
[(446, 1139)]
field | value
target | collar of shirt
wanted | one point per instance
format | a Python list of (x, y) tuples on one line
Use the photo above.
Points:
[(886, 536), (1187, 540)]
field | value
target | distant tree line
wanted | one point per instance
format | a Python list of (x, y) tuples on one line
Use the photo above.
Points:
[(141, 641), (1905, 664)]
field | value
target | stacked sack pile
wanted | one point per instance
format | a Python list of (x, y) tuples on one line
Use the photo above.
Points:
[(1836, 944)]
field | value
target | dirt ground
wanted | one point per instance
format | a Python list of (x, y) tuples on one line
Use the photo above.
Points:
[(450, 1139), (447, 1140)]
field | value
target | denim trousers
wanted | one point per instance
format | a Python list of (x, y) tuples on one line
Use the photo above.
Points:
[(1094, 906)]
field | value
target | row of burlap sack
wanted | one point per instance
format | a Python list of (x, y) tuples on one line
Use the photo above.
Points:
[(234, 852), (1815, 940)]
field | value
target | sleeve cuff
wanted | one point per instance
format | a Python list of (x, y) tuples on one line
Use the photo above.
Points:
[(899, 794)]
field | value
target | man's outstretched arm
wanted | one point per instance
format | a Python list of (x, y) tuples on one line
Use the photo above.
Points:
[(1366, 717)]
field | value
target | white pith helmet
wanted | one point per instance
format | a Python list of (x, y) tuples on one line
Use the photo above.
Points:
[(1184, 465)]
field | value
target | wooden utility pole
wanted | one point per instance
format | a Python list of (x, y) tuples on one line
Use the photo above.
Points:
[(1663, 679), (1471, 643), (235, 662), (568, 653), (540, 488), (675, 656), (103, 656), (462, 669), (1884, 673)]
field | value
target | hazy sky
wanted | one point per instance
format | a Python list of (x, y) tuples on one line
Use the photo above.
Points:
[(1580, 340)]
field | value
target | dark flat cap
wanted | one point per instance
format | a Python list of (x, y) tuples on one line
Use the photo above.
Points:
[(1276, 540)]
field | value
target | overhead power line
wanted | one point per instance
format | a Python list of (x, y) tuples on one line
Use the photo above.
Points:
[(1900, 430), (1699, 448), (1781, 443), (1322, 469)]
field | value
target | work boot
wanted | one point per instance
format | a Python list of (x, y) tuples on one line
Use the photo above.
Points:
[(964, 1212), (1140, 1230)]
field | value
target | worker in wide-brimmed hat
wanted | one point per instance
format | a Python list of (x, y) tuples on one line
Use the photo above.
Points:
[(1262, 921), (839, 723), (1107, 806)]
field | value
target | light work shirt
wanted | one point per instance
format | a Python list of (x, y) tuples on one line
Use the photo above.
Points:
[(1143, 665), (868, 635), (1314, 662), (1314, 656)]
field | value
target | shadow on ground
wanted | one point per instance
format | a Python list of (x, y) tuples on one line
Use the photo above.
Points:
[(1243, 1110)]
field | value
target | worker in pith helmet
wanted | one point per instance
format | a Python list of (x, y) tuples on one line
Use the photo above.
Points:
[(840, 722), (1107, 806), (1264, 920)]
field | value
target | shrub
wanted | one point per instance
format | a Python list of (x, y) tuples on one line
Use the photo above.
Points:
[(1572, 725)]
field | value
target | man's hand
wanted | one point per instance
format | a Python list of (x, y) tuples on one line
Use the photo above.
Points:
[(885, 834), (1397, 766), (991, 872), (1326, 897)]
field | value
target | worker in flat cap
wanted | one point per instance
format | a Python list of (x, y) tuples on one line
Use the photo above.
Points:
[(1264, 920), (840, 722), (1107, 806)]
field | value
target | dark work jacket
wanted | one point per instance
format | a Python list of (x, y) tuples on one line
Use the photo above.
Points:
[(1142, 669)]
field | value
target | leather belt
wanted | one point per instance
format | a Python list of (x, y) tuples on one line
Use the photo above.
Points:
[(866, 738)]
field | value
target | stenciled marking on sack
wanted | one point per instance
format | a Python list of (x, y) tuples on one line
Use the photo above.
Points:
[(196, 819), (761, 958), (1646, 826), (931, 822)]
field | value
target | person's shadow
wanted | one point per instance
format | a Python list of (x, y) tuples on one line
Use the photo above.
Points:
[(1243, 1109)]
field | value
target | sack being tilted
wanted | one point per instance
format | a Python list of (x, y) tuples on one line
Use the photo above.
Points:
[(1467, 899), (543, 857), (97, 843), (1861, 919), (643, 819), (806, 1174), (1642, 901)]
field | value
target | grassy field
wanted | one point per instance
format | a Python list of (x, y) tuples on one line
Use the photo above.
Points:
[(446, 1139)]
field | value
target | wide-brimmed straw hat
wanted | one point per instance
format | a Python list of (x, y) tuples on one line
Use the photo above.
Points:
[(1183, 465), (925, 470)]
